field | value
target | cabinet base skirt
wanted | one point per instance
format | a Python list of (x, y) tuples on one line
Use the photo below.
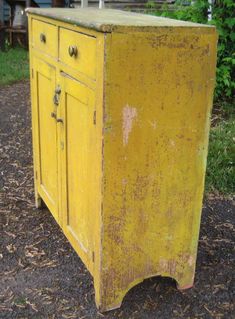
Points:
[(112, 300)]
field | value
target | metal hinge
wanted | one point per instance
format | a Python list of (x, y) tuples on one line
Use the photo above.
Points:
[(93, 256), (94, 118)]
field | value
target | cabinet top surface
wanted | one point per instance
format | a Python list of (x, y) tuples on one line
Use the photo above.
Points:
[(108, 20)]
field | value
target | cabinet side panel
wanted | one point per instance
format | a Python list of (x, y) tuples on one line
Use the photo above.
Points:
[(158, 98)]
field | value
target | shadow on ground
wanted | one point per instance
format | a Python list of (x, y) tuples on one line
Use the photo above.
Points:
[(42, 277)]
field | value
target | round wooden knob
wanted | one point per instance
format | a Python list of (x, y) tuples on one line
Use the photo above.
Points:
[(73, 50), (43, 37)]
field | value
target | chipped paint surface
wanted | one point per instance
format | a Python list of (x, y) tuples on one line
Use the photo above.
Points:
[(128, 114), (191, 260), (139, 169), (153, 171)]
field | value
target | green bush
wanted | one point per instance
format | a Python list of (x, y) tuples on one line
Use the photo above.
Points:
[(223, 19)]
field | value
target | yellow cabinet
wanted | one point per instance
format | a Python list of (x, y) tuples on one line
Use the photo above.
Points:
[(121, 105)]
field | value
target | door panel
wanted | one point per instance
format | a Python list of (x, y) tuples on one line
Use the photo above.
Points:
[(78, 158), (77, 143), (47, 161)]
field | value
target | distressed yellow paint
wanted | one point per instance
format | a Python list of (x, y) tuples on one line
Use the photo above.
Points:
[(130, 155), (46, 133), (49, 30), (85, 60), (154, 179)]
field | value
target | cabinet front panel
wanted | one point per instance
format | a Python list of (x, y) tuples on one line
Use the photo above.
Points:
[(45, 37), (78, 160), (47, 134), (78, 51)]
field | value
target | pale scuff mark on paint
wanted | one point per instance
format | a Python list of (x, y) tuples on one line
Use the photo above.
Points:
[(124, 181), (172, 143), (153, 124), (191, 261), (163, 264), (128, 115)]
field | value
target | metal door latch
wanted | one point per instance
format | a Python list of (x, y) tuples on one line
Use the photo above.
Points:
[(56, 96)]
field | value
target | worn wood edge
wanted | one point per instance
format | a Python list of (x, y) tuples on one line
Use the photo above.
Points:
[(109, 27)]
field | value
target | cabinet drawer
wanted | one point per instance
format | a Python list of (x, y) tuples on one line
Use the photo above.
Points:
[(78, 51), (44, 37)]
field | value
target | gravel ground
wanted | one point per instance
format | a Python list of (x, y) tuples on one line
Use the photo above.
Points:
[(42, 277)]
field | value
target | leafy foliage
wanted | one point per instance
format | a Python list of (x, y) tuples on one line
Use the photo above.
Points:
[(224, 20)]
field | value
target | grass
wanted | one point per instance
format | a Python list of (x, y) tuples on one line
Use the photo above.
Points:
[(14, 65), (221, 155)]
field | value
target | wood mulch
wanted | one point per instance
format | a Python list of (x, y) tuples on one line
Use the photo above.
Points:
[(42, 277)]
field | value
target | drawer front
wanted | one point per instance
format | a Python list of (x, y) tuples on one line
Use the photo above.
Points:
[(44, 37), (78, 51)]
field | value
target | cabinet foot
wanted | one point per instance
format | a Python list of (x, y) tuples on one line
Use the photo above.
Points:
[(184, 287), (112, 297), (39, 202)]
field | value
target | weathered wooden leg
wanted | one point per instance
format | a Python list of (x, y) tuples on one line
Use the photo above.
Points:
[(185, 284), (38, 201), (111, 295), (185, 287), (186, 280)]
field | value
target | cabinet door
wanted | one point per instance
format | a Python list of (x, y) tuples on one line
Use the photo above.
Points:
[(45, 134), (79, 166)]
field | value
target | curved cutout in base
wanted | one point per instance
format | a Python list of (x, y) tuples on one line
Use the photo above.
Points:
[(103, 306)]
